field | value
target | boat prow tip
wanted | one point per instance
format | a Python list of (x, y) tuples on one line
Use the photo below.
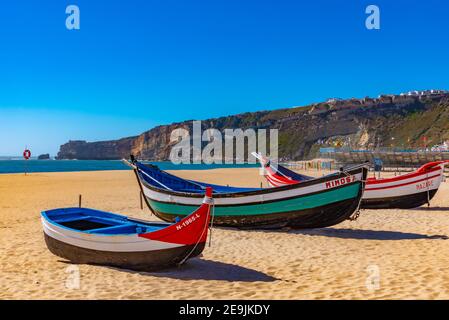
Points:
[(209, 192)]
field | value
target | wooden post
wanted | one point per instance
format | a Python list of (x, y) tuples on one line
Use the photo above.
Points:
[(141, 200), (79, 201)]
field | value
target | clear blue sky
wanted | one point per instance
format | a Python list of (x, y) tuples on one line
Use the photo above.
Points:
[(136, 64)]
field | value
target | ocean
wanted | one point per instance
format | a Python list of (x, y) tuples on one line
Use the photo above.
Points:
[(19, 166)]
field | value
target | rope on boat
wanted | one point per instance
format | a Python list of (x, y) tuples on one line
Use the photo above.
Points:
[(428, 189), (197, 184), (158, 182), (356, 214), (199, 239), (211, 223)]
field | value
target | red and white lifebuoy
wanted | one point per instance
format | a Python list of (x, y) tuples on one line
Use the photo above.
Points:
[(27, 154)]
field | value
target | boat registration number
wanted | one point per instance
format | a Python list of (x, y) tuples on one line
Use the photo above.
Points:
[(188, 221)]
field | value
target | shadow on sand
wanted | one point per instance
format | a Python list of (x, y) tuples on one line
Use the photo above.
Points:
[(366, 234), (424, 209), (202, 269)]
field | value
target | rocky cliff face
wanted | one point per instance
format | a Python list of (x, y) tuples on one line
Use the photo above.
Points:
[(388, 121), (102, 150)]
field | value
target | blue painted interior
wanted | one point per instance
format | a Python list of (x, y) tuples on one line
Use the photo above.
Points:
[(164, 180), (101, 222)]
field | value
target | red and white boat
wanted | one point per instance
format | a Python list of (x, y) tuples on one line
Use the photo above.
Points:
[(410, 190), (88, 236)]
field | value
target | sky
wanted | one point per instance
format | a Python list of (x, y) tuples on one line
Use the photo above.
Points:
[(137, 64)]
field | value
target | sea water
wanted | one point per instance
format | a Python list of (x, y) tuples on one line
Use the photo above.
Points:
[(20, 166)]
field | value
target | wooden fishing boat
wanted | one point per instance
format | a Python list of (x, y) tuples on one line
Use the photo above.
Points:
[(89, 236), (317, 203), (406, 191), (402, 192)]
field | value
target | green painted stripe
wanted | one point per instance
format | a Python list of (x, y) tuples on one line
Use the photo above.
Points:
[(302, 203)]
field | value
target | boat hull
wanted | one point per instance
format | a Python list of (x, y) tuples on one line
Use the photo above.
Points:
[(400, 202), (140, 260), (403, 192), (88, 236), (317, 217)]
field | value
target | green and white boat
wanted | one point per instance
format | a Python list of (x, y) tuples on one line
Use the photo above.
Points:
[(316, 203)]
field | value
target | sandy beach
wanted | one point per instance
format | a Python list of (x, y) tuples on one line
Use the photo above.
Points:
[(385, 254)]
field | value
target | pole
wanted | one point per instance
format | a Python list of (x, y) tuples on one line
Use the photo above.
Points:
[(141, 200), (79, 201)]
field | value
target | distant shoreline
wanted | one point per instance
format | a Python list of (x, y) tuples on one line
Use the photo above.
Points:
[(41, 166)]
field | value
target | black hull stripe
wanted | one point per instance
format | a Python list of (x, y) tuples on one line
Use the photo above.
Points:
[(401, 202)]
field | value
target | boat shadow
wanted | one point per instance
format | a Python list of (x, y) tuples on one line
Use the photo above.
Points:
[(202, 269), (360, 234), (430, 209)]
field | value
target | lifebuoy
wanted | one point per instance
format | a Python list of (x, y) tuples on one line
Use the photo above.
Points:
[(27, 154)]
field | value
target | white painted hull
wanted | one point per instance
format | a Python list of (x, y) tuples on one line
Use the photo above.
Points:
[(112, 243), (409, 186)]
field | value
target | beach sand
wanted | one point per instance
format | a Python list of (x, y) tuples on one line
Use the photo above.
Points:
[(385, 254)]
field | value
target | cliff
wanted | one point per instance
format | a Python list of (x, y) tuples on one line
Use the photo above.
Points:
[(102, 150), (392, 121)]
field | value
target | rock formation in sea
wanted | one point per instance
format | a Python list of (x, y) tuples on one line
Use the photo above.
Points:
[(390, 121), (45, 156)]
